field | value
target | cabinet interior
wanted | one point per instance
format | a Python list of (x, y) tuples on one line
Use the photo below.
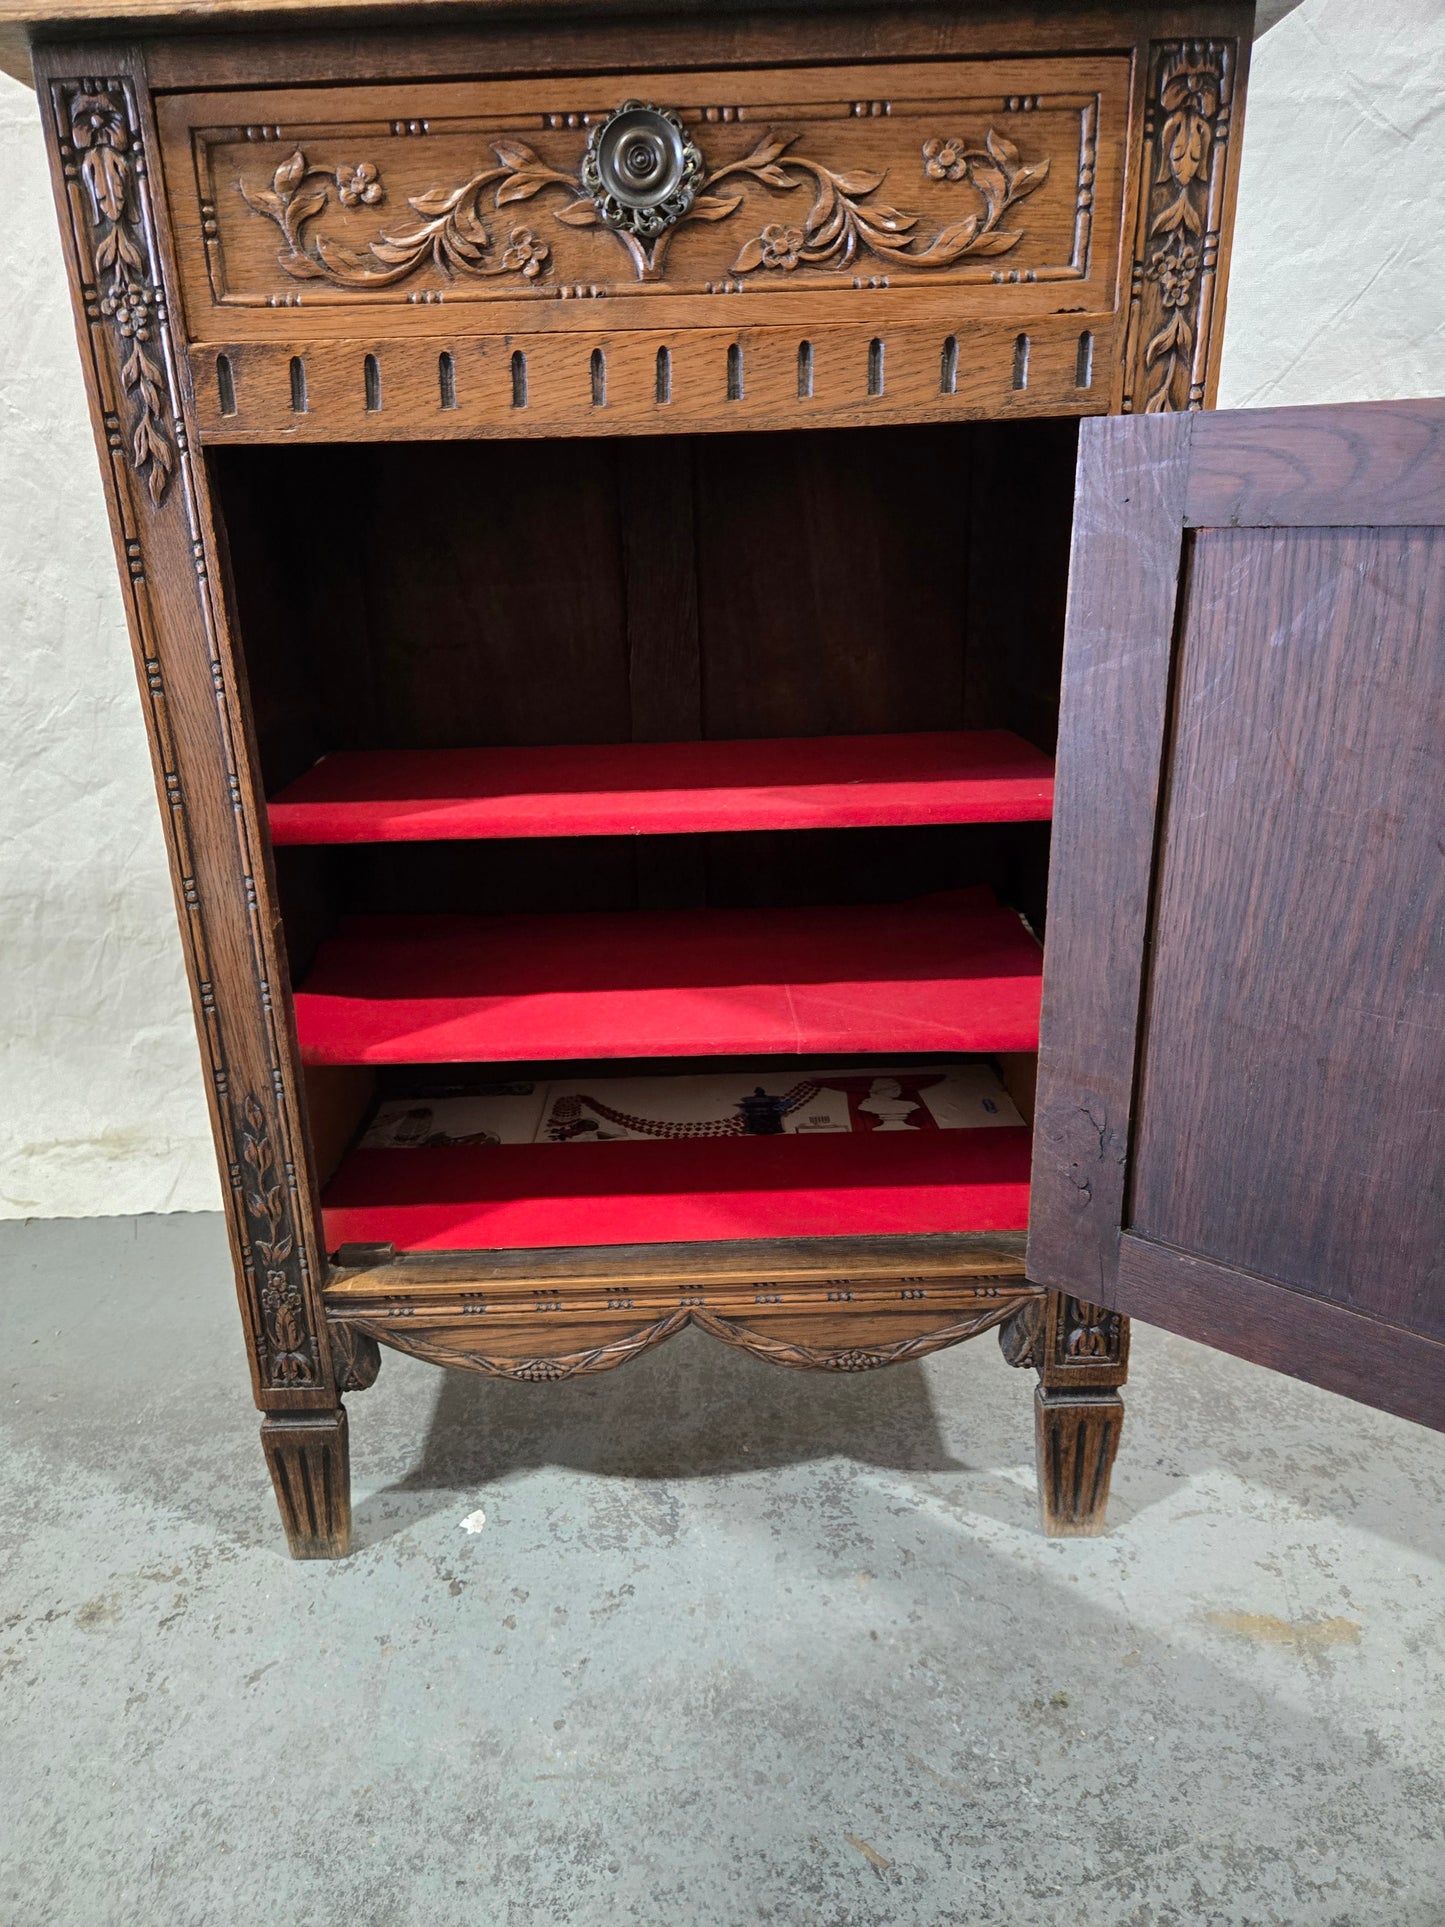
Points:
[(903, 584)]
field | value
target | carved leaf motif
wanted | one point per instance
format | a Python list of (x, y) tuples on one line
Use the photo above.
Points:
[(1185, 145), (990, 182), (437, 200), (515, 154), (304, 207), (106, 173), (995, 243), (1028, 178), (958, 236), (890, 219), (750, 255), (1003, 151), (263, 200), (579, 214), (715, 207), (290, 174), (768, 149), (404, 250), (858, 184), (288, 1330), (1180, 213), (521, 187)]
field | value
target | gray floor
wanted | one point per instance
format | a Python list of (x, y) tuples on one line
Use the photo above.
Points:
[(735, 1644)]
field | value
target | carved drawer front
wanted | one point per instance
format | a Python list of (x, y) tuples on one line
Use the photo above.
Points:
[(388, 227)]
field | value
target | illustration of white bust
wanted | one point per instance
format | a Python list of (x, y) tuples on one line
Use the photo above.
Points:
[(887, 1103)]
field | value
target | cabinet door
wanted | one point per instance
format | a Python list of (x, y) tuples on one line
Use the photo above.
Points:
[(1242, 1081)]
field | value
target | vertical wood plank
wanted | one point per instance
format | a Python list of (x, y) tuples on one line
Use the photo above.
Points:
[(1118, 639)]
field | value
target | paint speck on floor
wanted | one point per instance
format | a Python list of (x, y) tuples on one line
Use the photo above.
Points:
[(1265, 1629)]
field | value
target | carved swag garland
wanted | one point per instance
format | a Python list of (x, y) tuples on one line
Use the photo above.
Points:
[(104, 150), (453, 236)]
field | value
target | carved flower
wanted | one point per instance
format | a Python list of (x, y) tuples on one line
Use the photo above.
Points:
[(525, 251), (358, 184), (1174, 267), (1191, 82), (131, 307), (781, 245), (943, 160), (96, 121)]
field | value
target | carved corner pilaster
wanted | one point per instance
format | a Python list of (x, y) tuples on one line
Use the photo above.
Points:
[(113, 224), (1173, 294)]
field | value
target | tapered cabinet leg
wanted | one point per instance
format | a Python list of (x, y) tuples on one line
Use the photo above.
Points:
[(311, 1471), (1076, 1437)]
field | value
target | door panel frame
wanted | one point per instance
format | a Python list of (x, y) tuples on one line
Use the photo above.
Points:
[(1142, 484)]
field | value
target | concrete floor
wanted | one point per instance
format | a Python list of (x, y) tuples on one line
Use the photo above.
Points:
[(735, 1644)]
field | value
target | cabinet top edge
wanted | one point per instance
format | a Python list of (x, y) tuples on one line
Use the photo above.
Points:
[(24, 23)]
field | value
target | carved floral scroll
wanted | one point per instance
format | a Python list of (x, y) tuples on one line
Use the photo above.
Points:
[(463, 229)]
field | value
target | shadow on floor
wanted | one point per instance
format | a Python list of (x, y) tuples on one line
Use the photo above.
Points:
[(708, 1411)]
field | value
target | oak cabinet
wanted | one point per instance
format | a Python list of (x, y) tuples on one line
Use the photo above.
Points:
[(596, 500)]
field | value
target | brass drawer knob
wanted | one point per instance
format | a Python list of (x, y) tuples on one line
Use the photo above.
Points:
[(642, 169)]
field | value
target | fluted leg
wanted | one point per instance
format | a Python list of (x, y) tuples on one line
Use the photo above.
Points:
[(311, 1471), (1076, 1436)]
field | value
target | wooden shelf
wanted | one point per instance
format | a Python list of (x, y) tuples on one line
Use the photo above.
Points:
[(656, 789), (523, 1196), (954, 972)]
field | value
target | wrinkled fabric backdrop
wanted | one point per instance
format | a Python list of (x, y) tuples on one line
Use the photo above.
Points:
[(1335, 295)]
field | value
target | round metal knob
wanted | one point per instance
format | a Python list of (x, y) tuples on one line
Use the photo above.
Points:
[(642, 169)]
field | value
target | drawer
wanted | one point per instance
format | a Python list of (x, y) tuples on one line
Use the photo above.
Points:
[(973, 181), (790, 203)]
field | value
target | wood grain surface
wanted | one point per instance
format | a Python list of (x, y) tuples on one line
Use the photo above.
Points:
[(1276, 1023), (1123, 587), (1294, 1059)]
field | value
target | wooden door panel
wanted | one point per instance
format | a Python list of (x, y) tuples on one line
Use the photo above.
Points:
[(1290, 1083), (1243, 1047)]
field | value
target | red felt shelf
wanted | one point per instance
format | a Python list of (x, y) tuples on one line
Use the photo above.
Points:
[(631, 789), (953, 972), (525, 1196)]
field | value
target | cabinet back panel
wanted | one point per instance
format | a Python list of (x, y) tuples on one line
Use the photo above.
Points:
[(833, 581)]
